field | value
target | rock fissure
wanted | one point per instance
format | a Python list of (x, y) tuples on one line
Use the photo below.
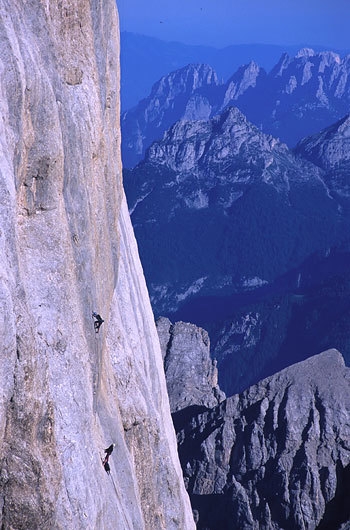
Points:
[(168, 346)]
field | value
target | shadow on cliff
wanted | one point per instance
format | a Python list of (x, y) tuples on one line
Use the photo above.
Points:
[(338, 509), (214, 511)]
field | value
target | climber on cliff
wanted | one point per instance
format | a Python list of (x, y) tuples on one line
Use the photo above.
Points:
[(107, 468), (108, 452), (98, 322)]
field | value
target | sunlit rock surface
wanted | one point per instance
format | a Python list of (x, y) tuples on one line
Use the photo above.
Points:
[(67, 249)]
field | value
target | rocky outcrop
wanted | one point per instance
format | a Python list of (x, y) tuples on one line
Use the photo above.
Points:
[(275, 457), (191, 375), (67, 248)]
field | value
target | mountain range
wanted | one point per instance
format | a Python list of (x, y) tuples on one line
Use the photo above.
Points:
[(236, 231), (146, 59), (299, 96)]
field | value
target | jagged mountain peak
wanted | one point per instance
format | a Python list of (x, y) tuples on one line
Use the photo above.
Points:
[(252, 67), (330, 57), (228, 136), (182, 94), (305, 52), (246, 77), (246, 74), (220, 173), (281, 65), (232, 115), (305, 58), (192, 76)]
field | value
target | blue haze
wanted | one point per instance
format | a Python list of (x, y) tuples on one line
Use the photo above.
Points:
[(223, 22)]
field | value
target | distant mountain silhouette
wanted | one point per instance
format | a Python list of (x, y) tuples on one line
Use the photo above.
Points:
[(145, 59), (299, 96)]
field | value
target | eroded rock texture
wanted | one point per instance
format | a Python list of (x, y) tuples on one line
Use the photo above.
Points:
[(276, 456), (67, 248), (191, 375)]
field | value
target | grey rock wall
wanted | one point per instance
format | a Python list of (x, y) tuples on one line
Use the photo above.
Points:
[(67, 248), (276, 456)]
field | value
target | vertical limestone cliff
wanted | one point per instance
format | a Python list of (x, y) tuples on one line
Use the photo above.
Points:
[(67, 248)]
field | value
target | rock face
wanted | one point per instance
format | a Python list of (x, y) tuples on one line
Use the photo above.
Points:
[(300, 96), (67, 248), (191, 375), (276, 456), (183, 94)]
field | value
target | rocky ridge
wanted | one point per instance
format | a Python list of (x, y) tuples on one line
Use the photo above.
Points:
[(276, 456), (144, 60), (67, 248)]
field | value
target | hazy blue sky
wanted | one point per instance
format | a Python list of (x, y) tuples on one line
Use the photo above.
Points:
[(224, 22)]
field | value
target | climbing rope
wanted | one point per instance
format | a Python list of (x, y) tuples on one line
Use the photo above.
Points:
[(98, 321), (120, 504)]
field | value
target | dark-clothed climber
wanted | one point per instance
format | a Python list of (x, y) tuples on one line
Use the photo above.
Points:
[(98, 322), (108, 452)]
